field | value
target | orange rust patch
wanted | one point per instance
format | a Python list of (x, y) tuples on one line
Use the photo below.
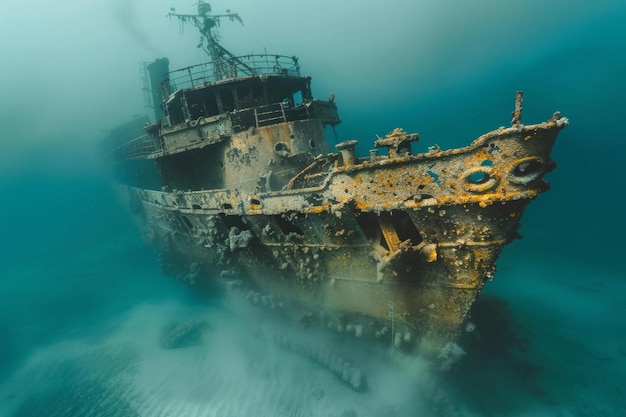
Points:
[(317, 209), (481, 155), (361, 205)]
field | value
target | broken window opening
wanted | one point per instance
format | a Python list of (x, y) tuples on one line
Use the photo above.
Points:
[(405, 227), (258, 94), (175, 111), (297, 98), (287, 226), (210, 105), (234, 221), (244, 97), (371, 229), (195, 106), (228, 101)]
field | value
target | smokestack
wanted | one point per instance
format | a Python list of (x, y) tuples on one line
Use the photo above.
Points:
[(157, 71)]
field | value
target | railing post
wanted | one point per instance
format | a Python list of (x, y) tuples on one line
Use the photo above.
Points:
[(190, 77)]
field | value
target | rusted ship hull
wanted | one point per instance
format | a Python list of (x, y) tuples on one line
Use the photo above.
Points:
[(236, 175), (394, 247)]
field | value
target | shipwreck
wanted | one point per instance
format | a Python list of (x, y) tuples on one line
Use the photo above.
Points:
[(236, 175)]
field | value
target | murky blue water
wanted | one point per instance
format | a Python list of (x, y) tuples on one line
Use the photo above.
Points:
[(82, 300)]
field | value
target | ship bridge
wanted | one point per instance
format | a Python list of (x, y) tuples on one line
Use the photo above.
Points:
[(257, 90)]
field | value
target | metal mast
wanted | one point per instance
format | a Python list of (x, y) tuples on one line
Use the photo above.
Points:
[(224, 63)]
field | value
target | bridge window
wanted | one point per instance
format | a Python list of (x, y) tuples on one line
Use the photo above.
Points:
[(228, 101), (297, 98), (175, 111), (210, 104)]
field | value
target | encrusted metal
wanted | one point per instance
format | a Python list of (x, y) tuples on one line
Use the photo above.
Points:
[(238, 176)]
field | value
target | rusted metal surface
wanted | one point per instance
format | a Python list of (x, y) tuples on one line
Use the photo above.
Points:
[(395, 246), (348, 235)]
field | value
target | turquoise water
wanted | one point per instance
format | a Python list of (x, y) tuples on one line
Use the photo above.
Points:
[(83, 302)]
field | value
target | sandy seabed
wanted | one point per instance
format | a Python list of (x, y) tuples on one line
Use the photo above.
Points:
[(89, 338)]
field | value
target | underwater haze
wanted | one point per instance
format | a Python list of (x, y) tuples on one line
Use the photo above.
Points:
[(85, 309)]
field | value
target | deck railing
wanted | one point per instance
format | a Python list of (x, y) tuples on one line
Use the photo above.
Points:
[(137, 148), (149, 145), (282, 113), (229, 67)]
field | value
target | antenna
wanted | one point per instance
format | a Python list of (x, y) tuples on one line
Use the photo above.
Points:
[(224, 62)]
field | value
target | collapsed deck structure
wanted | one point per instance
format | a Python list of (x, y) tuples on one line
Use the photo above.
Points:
[(237, 174)]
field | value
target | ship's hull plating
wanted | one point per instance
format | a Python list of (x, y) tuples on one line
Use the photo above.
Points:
[(393, 247)]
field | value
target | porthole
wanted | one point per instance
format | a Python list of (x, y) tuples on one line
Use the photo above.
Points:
[(526, 170), (479, 180), (281, 149)]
